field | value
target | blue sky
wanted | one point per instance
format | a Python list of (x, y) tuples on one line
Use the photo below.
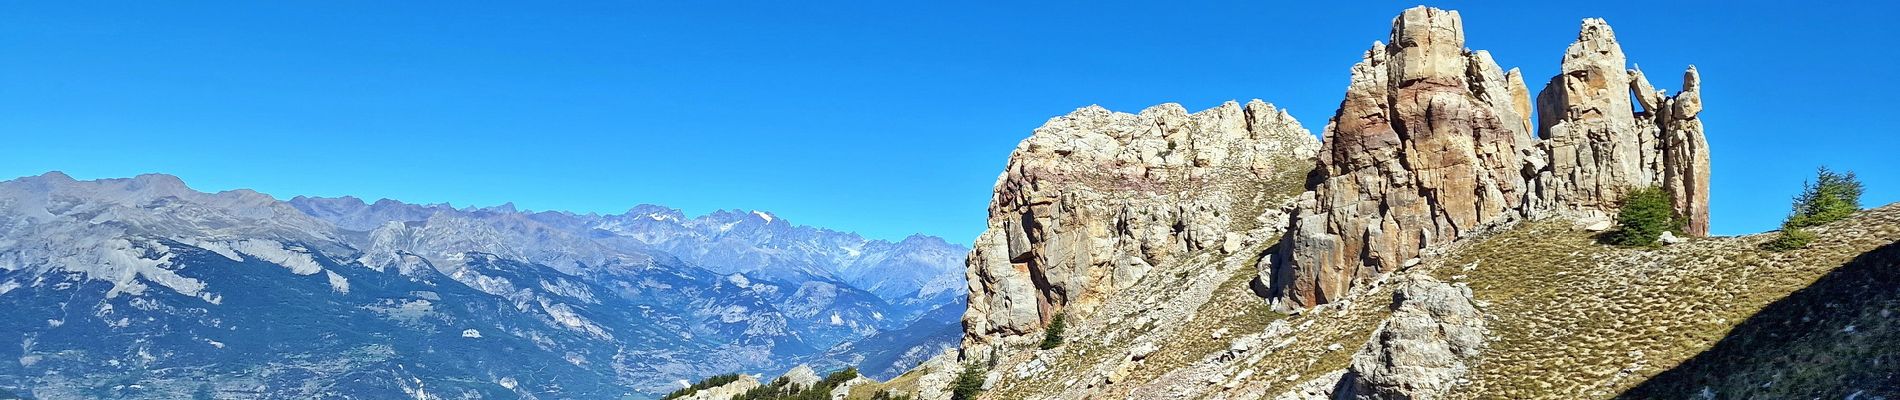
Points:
[(885, 118)]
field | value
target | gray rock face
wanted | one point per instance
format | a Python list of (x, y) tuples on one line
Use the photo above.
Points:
[(1433, 143), (1095, 199), (1421, 350), (726, 391), (801, 375)]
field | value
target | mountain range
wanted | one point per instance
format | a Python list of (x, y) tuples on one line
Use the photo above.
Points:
[(146, 288)]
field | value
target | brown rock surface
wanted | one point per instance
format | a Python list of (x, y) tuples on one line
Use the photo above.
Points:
[(1418, 155), (1415, 156)]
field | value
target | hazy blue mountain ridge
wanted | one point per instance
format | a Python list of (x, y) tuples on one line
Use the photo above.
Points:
[(144, 288)]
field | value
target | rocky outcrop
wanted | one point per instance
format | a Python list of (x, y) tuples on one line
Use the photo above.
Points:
[(801, 375), (1421, 351), (726, 391), (1428, 145), (1600, 145), (1094, 200), (1433, 143)]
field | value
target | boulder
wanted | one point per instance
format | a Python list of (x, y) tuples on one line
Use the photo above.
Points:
[(1423, 349), (1670, 238)]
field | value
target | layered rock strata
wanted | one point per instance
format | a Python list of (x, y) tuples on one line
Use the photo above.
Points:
[(1094, 200), (1433, 143)]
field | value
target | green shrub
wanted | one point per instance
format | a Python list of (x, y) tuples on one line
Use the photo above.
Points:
[(969, 383), (1052, 336), (1643, 216), (888, 395), (1790, 239), (1829, 197)]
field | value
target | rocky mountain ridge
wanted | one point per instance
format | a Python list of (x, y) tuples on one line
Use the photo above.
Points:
[(1437, 244), (1432, 144), (145, 288)]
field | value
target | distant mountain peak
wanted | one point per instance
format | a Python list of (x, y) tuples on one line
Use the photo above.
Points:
[(56, 176), (610, 302)]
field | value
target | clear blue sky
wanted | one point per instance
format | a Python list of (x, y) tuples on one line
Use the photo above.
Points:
[(885, 118)]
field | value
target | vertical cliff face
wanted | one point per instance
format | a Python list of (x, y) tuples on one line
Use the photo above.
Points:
[(1429, 144), (1094, 200), (1433, 143), (1599, 144)]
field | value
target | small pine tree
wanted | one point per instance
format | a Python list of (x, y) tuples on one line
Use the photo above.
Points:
[(1642, 218), (1829, 197), (1052, 336), (969, 383)]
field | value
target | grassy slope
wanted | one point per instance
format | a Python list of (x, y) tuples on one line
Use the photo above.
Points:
[(1574, 319)]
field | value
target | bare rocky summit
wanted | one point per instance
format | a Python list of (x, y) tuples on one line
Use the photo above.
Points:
[(1095, 200)]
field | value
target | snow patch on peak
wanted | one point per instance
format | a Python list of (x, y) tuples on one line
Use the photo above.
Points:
[(337, 282), (739, 280), (221, 248), (764, 216), (125, 265), (298, 261)]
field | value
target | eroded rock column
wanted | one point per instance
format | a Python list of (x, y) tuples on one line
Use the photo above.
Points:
[(1429, 144)]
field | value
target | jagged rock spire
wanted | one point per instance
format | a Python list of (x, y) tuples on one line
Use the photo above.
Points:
[(1426, 146), (1433, 142), (1600, 145)]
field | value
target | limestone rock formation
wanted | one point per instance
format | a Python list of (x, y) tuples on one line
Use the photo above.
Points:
[(1433, 143), (1146, 229), (1422, 349), (1095, 199), (1428, 145), (726, 391), (1600, 145), (802, 375)]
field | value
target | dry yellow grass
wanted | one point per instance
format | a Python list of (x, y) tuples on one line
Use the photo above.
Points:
[(1575, 319)]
